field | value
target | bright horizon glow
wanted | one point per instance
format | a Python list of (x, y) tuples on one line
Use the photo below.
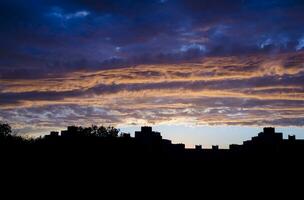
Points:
[(192, 135), (212, 135)]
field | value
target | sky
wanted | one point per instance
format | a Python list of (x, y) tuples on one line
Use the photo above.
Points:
[(219, 69)]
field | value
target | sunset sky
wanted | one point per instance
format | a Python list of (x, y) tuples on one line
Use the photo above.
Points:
[(200, 71)]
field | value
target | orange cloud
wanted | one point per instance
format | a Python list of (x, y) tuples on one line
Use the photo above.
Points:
[(217, 90)]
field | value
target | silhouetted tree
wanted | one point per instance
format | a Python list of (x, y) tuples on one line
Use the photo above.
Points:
[(102, 131), (112, 131), (5, 130), (87, 131), (94, 130)]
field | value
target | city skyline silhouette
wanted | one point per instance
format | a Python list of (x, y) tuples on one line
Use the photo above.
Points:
[(144, 97), (199, 71), (266, 141), (79, 155), (163, 93)]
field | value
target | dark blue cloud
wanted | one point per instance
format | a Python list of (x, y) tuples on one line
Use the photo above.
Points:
[(46, 37)]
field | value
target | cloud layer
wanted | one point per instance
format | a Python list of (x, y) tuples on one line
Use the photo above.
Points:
[(253, 90), (138, 62)]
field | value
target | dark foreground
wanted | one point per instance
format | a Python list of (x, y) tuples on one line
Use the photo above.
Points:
[(86, 162)]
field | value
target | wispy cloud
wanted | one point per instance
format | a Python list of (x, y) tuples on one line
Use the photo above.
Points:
[(183, 61), (252, 90), (300, 44), (59, 13)]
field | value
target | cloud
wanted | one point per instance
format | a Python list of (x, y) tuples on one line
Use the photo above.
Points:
[(45, 37), (300, 44), (252, 90), (59, 13), (186, 48), (125, 62)]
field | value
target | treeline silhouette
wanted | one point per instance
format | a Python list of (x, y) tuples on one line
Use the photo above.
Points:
[(95, 142), (108, 143), (8, 138), (104, 153)]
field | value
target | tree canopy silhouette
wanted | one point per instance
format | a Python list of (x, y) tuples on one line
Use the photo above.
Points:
[(94, 130), (5, 129)]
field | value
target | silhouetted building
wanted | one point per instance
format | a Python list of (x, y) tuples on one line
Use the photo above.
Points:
[(147, 134), (198, 147), (235, 147), (267, 137), (166, 142), (215, 147), (270, 130), (54, 133), (270, 141), (125, 135), (179, 146), (71, 131), (291, 137)]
